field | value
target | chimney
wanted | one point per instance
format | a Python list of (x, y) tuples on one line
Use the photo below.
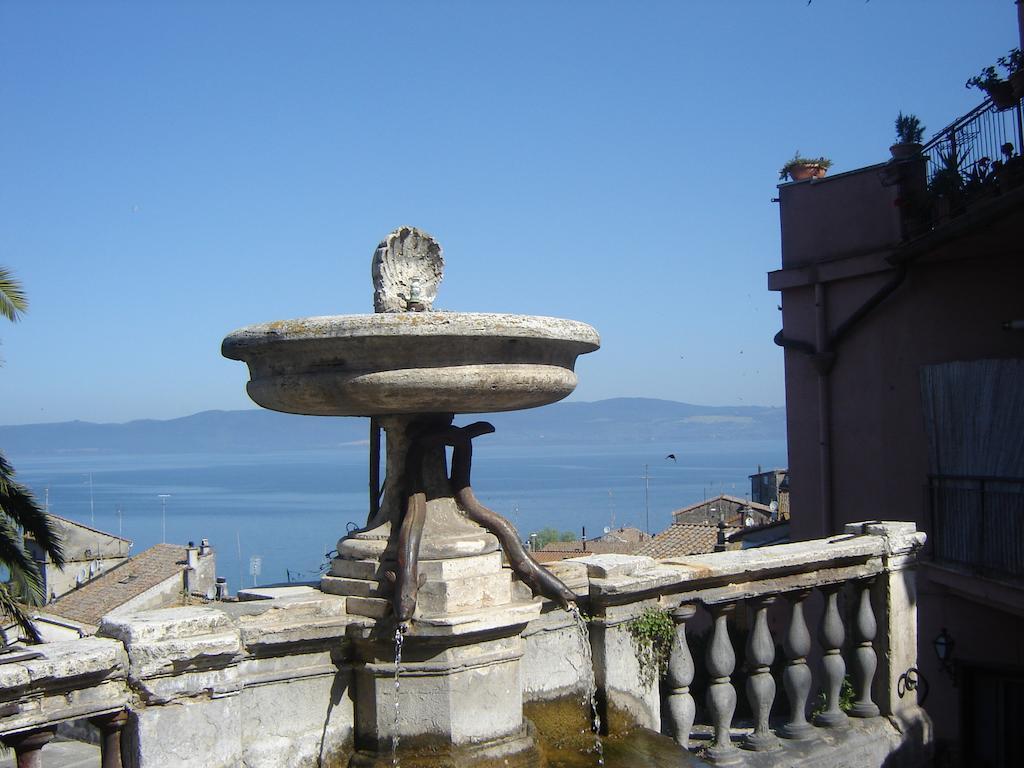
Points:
[(720, 545), (191, 566), (221, 588)]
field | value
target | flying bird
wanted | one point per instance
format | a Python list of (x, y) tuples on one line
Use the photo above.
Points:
[(671, 456)]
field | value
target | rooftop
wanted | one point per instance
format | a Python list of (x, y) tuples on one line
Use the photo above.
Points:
[(117, 586), (82, 542), (701, 511), (560, 550), (684, 539)]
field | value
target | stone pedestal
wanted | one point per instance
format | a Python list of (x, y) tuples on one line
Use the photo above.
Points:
[(365, 557), (459, 693), (460, 689)]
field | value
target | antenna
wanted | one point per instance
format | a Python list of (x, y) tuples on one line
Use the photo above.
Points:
[(163, 514), (647, 500)]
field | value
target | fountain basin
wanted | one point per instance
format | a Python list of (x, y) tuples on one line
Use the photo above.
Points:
[(411, 362)]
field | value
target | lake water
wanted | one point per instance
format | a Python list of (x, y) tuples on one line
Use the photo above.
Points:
[(290, 508)]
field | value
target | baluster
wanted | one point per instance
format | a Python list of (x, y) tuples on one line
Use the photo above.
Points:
[(680, 675), (797, 677), (721, 700), (760, 685), (865, 661), (110, 727), (28, 746), (831, 636)]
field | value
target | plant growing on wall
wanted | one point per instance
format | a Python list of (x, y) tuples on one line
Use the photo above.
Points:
[(652, 633), (847, 697)]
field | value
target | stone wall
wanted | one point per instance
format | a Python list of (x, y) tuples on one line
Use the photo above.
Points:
[(295, 680)]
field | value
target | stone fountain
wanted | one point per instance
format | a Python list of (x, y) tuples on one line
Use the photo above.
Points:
[(428, 565)]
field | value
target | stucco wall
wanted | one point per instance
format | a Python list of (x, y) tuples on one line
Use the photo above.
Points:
[(61, 581), (950, 310), (951, 306)]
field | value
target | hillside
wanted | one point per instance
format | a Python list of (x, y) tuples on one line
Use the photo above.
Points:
[(619, 420)]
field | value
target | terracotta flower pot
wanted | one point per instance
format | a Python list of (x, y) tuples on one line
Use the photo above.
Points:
[(1017, 83), (905, 151), (1001, 94), (804, 172)]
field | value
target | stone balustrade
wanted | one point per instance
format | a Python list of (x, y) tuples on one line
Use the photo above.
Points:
[(280, 682), (864, 581)]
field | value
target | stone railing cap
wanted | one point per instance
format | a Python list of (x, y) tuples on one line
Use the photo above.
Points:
[(609, 565), (164, 624)]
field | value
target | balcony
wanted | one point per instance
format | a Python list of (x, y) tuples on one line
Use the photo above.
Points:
[(974, 158), (978, 524), (977, 540)]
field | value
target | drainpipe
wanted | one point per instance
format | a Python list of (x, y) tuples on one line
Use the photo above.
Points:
[(823, 363), (1020, 23)]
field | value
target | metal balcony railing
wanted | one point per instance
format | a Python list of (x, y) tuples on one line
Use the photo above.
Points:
[(978, 523), (963, 156)]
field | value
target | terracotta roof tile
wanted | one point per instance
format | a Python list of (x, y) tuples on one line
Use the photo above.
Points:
[(731, 506), (553, 557), (100, 596), (593, 547), (682, 539), (560, 550)]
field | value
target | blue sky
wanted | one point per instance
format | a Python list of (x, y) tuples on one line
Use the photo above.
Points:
[(170, 172)]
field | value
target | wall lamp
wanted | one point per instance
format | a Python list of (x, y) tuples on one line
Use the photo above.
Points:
[(944, 646)]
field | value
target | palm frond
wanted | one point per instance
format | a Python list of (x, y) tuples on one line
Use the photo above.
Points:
[(23, 569), (18, 504), (27, 586), (13, 609), (12, 297)]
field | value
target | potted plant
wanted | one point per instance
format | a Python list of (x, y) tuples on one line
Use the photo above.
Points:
[(1013, 63), (1000, 91), (909, 133), (801, 168), (946, 187)]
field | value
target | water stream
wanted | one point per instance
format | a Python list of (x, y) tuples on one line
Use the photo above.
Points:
[(399, 639), (590, 695)]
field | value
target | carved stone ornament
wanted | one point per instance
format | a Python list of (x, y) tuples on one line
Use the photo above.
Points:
[(407, 269)]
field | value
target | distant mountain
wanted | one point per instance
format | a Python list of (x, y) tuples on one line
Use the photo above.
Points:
[(616, 421)]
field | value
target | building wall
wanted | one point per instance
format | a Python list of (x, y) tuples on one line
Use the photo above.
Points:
[(170, 591), (951, 306), (837, 215), (60, 581), (944, 311), (83, 547)]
